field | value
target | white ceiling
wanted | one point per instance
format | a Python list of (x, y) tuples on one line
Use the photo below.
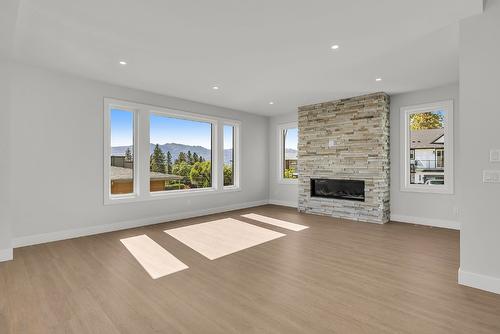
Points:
[(256, 51)]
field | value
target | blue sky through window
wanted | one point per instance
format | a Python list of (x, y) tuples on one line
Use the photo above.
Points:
[(228, 137), (122, 128), (165, 129), (292, 138)]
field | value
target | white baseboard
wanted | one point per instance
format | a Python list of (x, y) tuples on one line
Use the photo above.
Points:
[(85, 231), (283, 203), (478, 281), (6, 254), (426, 221)]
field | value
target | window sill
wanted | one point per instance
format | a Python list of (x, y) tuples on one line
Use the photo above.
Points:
[(229, 189), (158, 196), (288, 181), (427, 189)]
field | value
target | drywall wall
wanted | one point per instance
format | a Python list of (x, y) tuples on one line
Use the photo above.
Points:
[(57, 158), (479, 132), (440, 209), (5, 226), (8, 19), (280, 193)]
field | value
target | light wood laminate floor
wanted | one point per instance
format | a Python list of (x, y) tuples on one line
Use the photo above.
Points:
[(334, 277)]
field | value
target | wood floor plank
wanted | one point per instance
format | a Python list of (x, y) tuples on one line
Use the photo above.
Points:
[(336, 276)]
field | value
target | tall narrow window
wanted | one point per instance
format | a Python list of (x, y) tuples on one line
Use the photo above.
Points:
[(122, 152), (229, 158), (180, 153), (288, 145), (428, 147)]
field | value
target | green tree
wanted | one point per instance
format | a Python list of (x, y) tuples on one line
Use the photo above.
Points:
[(195, 157), (201, 174), (128, 155), (182, 169), (426, 120), (169, 162), (157, 160), (181, 158), (189, 158), (228, 175)]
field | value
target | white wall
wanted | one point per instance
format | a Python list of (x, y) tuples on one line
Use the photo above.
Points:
[(8, 19), (57, 158), (422, 208), (5, 224), (280, 193), (479, 132)]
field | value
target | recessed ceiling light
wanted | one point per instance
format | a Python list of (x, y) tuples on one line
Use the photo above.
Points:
[(271, 102), (215, 87), (378, 79), (335, 47), (122, 62)]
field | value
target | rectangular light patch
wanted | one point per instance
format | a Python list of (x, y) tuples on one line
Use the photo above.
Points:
[(157, 261), (276, 222)]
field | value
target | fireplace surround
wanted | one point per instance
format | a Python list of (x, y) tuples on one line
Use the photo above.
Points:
[(345, 140)]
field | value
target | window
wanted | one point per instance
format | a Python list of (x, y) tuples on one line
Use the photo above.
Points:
[(121, 158), (153, 153), (229, 155), (180, 154), (427, 148), (288, 147)]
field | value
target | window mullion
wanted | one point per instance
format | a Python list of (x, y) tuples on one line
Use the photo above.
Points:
[(142, 136)]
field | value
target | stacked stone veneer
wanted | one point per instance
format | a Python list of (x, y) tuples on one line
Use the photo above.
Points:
[(359, 127)]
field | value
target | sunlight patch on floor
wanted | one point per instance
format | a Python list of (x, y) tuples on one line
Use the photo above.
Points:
[(157, 261), (222, 237), (276, 222)]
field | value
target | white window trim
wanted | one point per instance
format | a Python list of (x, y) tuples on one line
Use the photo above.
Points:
[(448, 187), (142, 114), (280, 142), (108, 105)]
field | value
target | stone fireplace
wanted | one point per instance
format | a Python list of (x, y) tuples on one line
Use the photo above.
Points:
[(343, 159)]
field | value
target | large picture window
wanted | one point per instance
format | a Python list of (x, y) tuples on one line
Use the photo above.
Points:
[(427, 148), (180, 154), (288, 146), (152, 152)]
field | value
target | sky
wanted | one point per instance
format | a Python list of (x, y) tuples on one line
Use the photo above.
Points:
[(165, 130), (122, 128), (292, 138)]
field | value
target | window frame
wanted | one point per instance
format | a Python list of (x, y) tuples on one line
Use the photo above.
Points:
[(109, 198), (281, 149), (405, 185), (142, 116)]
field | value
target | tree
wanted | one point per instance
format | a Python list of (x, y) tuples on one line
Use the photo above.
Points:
[(169, 162), (201, 159), (201, 174), (128, 155), (228, 175), (195, 157), (182, 169), (426, 120), (189, 158), (181, 158), (157, 160)]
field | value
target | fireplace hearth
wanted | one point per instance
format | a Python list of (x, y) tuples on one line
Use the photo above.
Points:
[(353, 190)]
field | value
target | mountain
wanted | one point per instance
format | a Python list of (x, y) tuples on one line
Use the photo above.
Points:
[(175, 149)]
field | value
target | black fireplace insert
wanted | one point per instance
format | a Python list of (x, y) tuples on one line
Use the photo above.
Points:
[(353, 190)]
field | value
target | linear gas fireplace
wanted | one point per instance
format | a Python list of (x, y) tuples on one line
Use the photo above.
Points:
[(353, 190)]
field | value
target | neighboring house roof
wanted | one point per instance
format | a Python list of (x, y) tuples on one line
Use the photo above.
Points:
[(431, 138), (126, 174)]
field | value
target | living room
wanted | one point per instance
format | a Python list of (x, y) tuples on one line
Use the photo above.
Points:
[(242, 167)]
